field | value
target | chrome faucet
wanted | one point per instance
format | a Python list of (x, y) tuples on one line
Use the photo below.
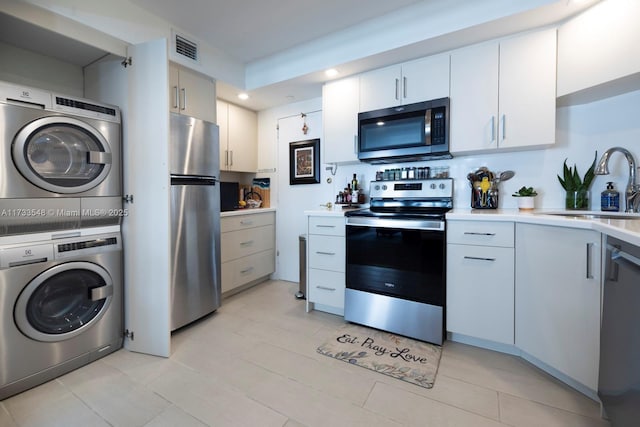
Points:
[(632, 192)]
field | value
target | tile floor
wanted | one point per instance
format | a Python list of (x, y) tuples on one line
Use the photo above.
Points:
[(254, 363)]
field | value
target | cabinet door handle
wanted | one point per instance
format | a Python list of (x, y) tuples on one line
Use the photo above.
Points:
[(175, 97), (355, 144), (493, 128), (589, 250), (230, 157), (184, 98), (247, 243), (397, 89), (473, 233), (325, 288), (325, 253), (504, 127), (404, 87), (479, 258)]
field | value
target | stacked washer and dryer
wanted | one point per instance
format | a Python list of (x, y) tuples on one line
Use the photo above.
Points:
[(61, 275)]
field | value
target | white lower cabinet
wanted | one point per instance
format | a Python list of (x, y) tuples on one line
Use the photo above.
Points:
[(247, 249), (480, 280), (558, 275), (326, 263)]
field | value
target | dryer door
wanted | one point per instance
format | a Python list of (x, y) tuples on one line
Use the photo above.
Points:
[(63, 301), (62, 154)]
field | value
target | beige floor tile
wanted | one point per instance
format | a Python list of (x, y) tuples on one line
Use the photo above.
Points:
[(311, 408), (51, 405), (212, 401), (5, 417), (528, 382), (345, 384), (254, 362), (115, 396), (520, 412), (174, 416), (414, 410)]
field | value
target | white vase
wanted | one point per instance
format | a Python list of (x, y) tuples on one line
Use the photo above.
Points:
[(526, 203)]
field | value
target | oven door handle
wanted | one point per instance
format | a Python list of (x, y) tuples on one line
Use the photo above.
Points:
[(397, 223)]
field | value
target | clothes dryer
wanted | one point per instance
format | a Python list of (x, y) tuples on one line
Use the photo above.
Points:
[(61, 304), (60, 161)]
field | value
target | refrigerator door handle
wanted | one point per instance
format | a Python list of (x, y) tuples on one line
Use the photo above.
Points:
[(193, 180)]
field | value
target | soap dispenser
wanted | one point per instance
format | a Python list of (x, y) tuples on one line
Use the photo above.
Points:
[(610, 199)]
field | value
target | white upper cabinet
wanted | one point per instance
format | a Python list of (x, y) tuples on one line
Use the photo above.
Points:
[(238, 138), (340, 120), (503, 94), (407, 83), (600, 46), (191, 94)]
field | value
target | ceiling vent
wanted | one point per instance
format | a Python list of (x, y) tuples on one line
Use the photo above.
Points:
[(186, 48)]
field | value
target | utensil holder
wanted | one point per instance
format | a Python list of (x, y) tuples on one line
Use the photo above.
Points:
[(484, 200)]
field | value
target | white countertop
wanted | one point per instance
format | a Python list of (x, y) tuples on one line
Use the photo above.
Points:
[(247, 211), (623, 229), (336, 210)]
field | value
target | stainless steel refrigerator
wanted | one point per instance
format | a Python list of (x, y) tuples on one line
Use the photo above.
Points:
[(195, 219)]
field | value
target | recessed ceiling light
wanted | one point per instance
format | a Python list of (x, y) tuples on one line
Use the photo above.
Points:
[(243, 96), (331, 72)]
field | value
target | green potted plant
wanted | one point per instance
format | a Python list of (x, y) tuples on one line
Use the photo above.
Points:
[(576, 188), (525, 197)]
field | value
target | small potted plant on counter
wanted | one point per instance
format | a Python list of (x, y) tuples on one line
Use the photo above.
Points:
[(525, 197)]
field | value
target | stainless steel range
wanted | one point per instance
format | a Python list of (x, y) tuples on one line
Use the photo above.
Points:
[(396, 259)]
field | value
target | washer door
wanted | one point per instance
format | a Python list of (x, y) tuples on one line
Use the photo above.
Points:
[(63, 301), (62, 154)]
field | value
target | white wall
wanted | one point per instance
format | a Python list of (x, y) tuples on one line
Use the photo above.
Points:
[(581, 131), (31, 69)]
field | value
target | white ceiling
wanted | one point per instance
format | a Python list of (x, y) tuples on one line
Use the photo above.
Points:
[(285, 45)]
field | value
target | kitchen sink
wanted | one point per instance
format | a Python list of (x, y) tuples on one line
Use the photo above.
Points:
[(596, 215)]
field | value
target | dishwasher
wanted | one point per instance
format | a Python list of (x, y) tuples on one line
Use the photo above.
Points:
[(619, 375)]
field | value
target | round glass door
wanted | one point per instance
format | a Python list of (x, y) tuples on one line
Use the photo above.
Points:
[(62, 154), (64, 301)]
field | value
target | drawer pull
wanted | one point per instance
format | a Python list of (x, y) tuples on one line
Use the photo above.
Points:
[(246, 270), (247, 243), (246, 222), (326, 288), (325, 226), (479, 258), (325, 253), (472, 233)]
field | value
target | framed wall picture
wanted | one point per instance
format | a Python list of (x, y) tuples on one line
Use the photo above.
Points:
[(304, 162)]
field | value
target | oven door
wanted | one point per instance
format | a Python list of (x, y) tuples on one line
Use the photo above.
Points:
[(398, 258)]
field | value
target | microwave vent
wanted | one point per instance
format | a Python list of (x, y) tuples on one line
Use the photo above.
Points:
[(186, 48)]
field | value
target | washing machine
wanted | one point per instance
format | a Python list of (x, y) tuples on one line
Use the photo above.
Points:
[(61, 304), (60, 161)]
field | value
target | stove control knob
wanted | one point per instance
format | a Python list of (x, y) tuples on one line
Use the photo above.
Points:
[(442, 186), (377, 187), (433, 186), (384, 186)]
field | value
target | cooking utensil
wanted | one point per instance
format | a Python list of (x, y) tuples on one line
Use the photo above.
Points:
[(506, 175)]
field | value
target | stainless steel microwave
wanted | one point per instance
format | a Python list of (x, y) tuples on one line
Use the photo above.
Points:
[(410, 132)]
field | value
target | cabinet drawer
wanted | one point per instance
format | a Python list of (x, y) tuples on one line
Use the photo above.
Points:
[(241, 222), (244, 270), (485, 233), (480, 292), (326, 287), (328, 226), (327, 253), (237, 244)]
